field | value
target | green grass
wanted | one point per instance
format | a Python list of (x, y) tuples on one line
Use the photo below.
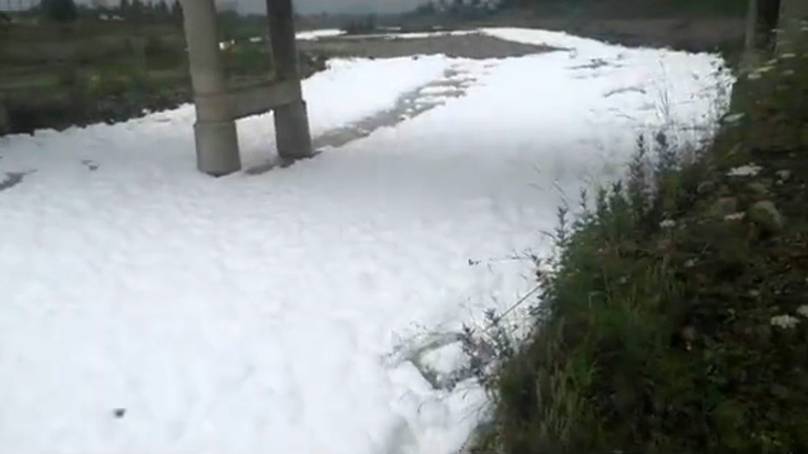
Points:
[(55, 76), (660, 337)]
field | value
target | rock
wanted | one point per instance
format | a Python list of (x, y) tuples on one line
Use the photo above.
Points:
[(667, 224), (733, 118), (758, 189), (766, 215), (724, 207), (784, 175), (748, 170), (705, 187)]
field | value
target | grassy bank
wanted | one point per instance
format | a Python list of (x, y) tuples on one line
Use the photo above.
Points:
[(676, 317), (91, 71)]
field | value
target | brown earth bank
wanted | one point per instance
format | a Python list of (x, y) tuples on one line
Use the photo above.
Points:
[(475, 46), (691, 25), (694, 35)]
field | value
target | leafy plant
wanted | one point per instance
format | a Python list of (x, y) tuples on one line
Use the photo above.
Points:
[(60, 10)]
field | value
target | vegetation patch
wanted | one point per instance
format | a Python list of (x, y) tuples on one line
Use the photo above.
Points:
[(675, 319), (65, 65)]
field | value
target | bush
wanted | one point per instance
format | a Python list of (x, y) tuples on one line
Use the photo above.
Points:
[(361, 26), (161, 54), (60, 10)]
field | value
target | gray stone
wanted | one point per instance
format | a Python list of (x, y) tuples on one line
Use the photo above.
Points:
[(758, 189), (766, 215), (784, 175), (705, 187), (723, 207)]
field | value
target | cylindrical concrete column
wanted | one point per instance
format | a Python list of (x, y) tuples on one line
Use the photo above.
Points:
[(215, 129), (281, 18), (5, 121), (292, 131), (793, 19), (291, 120), (750, 57)]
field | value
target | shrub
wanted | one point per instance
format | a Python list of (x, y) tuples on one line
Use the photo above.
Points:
[(665, 328), (161, 54), (361, 26), (60, 10)]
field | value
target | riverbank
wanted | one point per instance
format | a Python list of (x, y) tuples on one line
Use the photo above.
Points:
[(116, 72), (55, 77), (676, 316)]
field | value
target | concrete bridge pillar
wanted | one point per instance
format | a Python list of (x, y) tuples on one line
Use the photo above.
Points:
[(774, 27), (217, 150), (291, 119), (219, 105), (5, 121), (793, 18), (750, 52)]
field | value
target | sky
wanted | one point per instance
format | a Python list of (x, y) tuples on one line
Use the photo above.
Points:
[(331, 6)]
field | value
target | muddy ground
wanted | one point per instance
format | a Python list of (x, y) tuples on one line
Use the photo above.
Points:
[(690, 34), (713, 34), (476, 46)]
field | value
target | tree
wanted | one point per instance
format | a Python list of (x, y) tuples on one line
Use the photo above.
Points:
[(60, 10), (137, 9), (98, 5), (161, 9), (176, 11)]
